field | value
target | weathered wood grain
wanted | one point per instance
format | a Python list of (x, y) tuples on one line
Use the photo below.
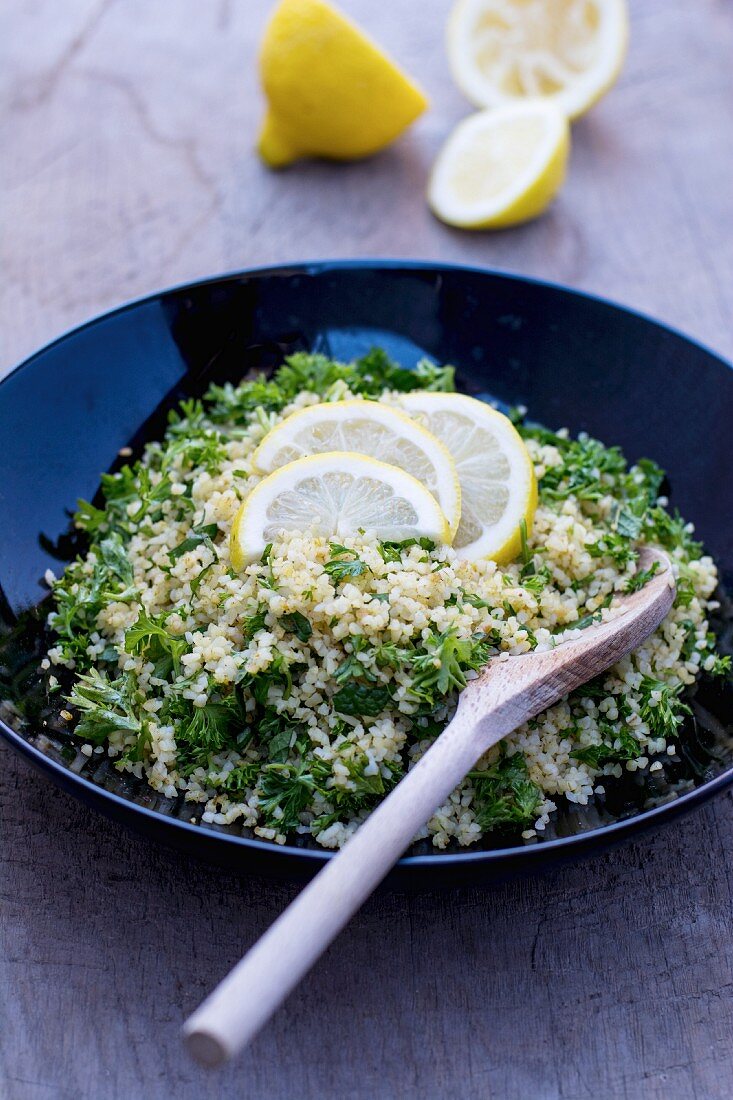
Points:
[(126, 130)]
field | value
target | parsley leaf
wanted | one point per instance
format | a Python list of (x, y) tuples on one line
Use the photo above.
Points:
[(199, 578), (361, 699), (367, 376), (149, 638), (106, 706), (240, 779), (339, 567), (352, 667), (89, 518), (620, 745), (286, 790), (505, 795), (720, 666), (279, 732), (84, 590), (671, 532), (256, 621), (583, 472), (296, 623), (441, 666), (661, 707), (206, 731), (614, 546), (393, 551), (627, 524), (637, 582), (203, 534), (534, 579)]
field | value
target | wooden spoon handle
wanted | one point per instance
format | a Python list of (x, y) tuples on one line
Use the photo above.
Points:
[(248, 996)]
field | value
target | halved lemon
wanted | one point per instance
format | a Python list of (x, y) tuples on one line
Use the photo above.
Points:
[(368, 428), (331, 91), (569, 52), (498, 484), (501, 167), (335, 494)]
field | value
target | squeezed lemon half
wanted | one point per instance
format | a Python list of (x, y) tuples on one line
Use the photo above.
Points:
[(567, 52)]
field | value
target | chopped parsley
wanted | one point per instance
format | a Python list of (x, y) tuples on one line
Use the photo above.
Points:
[(393, 551), (720, 666), (296, 623), (620, 745), (203, 535), (304, 371), (200, 577), (637, 582), (505, 795), (340, 567), (614, 546), (534, 578), (353, 667), (149, 638), (277, 733), (106, 706), (85, 589), (441, 666), (285, 791), (240, 779), (661, 707), (584, 472), (361, 699)]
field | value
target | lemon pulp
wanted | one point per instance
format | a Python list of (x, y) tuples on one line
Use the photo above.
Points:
[(498, 484), (569, 52), (370, 428), (335, 494), (500, 167)]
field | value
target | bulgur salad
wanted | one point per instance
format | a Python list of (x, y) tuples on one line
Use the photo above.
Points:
[(290, 691)]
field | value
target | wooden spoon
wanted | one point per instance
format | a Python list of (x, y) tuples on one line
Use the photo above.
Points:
[(508, 692)]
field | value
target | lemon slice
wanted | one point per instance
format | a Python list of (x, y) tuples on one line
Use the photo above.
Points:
[(569, 52), (368, 428), (331, 91), (498, 485), (335, 494), (500, 167)]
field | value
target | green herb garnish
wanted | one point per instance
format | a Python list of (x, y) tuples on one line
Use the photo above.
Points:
[(637, 582), (296, 623), (505, 795)]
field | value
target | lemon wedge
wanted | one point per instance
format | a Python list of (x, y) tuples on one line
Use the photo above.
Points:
[(331, 91), (335, 494), (498, 484), (500, 168), (569, 52), (368, 428)]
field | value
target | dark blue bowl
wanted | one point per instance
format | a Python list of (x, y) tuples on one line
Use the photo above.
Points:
[(571, 359)]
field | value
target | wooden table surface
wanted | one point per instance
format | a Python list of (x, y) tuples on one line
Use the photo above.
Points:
[(127, 131)]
